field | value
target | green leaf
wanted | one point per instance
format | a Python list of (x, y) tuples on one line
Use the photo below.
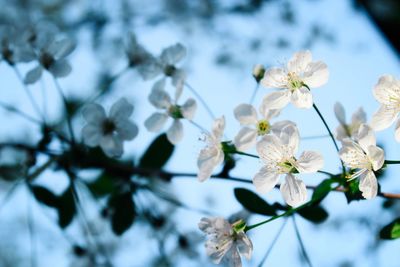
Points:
[(45, 196), (157, 154), (391, 231), (124, 212), (322, 190), (314, 213), (66, 208), (253, 202), (102, 186)]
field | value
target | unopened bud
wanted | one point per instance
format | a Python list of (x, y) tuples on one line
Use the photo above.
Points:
[(258, 72)]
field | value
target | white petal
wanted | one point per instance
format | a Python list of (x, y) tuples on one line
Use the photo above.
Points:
[(397, 132), (209, 158), (159, 97), (383, 118), (294, 191), (173, 54), (299, 62), (270, 149), (232, 258), (275, 78), (178, 79), (376, 156), (359, 117), (267, 113), (352, 155), (316, 75), (111, 145), (151, 69), (61, 48), (245, 139), (121, 110), (341, 133), (60, 68), (310, 162), (126, 129), (368, 185), (175, 132), (290, 137), (33, 75), (340, 113), (218, 128), (246, 114), (386, 89), (155, 122), (302, 98), (265, 180), (189, 109), (94, 113), (365, 137), (244, 245), (91, 135), (278, 126), (277, 100)]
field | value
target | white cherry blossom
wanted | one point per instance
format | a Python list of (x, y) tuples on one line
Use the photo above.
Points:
[(387, 93), (301, 72), (109, 132), (226, 242), (166, 64), (277, 153), (169, 108), (52, 57), (350, 130), (255, 126), (13, 49), (364, 156), (212, 155)]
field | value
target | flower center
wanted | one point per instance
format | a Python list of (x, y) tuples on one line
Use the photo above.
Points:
[(263, 127), (108, 127), (287, 166), (47, 60), (175, 112), (294, 81), (169, 70)]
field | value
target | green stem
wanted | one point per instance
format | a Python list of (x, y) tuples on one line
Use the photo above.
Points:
[(392, 161), (246, 154), (202, 101), (286, 213)]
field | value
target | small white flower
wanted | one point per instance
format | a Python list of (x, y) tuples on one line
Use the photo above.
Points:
[(160, 99), (51, 57), (387, 93), (299, 73), (364, 156), (13, 49), (212, 155), (109, 132), (277, 153), (247, 116), (140, 58), (226, 241), (166, 64), (350, 130)]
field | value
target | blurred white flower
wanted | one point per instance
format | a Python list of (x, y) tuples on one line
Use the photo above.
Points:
[(350, 130), (13, 49), (247, 116), (109, 132), (160, 99), (212, 155), (166, 64), (365, 156), (139, 58), (387, 93), (226, 242), (277, 153), (301, 72), (51, 56)]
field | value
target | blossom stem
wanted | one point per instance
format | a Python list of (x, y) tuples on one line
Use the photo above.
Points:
[(69, 119), (203, 102), (29, 94), (253, 96), (286, 213), (392, 161), (246, 154), (301, 243), (19, 112)]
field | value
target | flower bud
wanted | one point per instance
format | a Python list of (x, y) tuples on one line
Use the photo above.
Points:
[(258, 72)]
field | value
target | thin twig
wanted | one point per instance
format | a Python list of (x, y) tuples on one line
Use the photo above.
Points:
[(301, 243), (202, 101)]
